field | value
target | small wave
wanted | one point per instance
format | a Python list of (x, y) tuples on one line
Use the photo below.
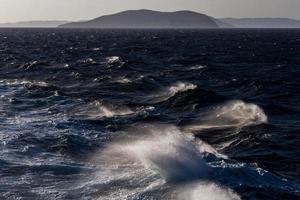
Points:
[(113, 60), (181, 87), (15, 82), (30, 65), (102, 78), (123, 80), (197, 67), (171, 91), (97, 49), (33, 84), (99, 109), (234, 114), (88, 61)]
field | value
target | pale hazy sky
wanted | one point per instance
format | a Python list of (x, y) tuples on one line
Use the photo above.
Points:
[(23, 10)]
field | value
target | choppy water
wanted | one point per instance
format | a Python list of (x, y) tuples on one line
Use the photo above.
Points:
[(115, 114)]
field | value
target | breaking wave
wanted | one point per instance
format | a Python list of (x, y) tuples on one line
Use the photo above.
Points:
[(181, 87), (154, 156), (99, 109), (115, 61), (179, 159), (171, 91), (234, 114)]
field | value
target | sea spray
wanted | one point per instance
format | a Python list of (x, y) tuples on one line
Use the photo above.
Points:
[(99, 109), (205, 191), (171, 91), (233, 114), (165, 150), (155, 156)]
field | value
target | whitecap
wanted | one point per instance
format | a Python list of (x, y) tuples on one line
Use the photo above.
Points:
[(99, 109), (166, 150), (97, 49), (197, 67), (172, 90), (88, 61), (181, 87), (13, 82), (174, 155), (112, 60), (16, 82), (151, 157), (233, 114), (123, 80), (205, 191)]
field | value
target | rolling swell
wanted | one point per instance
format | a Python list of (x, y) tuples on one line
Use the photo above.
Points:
[(132, 114)]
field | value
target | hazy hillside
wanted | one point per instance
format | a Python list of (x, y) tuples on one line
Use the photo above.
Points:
[(262, 22), (148, 19), (34, 24)]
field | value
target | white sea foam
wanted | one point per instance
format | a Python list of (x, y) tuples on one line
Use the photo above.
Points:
[(171, 91), (197, 67), (123, 80), (161, 148), (16, 82), (113, 60), (97, 49), (88, 60), (98, 109), (234, 114), (206, 148), (173, 154), (168, 151), (205, 191), (151, 156), (181, 87), (13, 82)]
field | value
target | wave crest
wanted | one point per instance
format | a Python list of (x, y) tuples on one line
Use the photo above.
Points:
[(181, 87), (171, 91), (165, 150), (234, 114), (150, 157), (98, 109)]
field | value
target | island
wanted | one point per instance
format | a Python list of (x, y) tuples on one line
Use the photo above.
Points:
[(149, 19)]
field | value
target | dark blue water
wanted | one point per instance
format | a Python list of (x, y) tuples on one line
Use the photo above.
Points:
[(149, 114)]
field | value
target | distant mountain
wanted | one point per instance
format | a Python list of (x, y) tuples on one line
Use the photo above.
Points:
[(156, 19), (148, 19), (262, 22), (34, 24)]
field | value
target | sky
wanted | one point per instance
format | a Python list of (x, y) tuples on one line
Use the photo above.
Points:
[(74, 10)]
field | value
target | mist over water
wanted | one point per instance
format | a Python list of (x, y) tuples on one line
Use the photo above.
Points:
[(149, 114)]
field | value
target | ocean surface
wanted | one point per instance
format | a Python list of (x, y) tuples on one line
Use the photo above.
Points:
[(149, 114)]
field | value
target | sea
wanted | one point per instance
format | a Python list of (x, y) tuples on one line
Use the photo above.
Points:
[(149, 114)]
